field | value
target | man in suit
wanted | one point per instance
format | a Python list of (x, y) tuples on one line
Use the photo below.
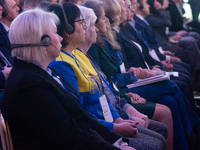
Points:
[(9, 12), (178, 23), (183, 81), (195, 8), (186, 50), (137, 35)]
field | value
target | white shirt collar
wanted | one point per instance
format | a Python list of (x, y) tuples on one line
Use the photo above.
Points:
[(139, 16), (5, 26), (132, 23)]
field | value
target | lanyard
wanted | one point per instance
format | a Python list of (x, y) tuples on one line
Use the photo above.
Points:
[(108, 85), (78, 99), (90, 74), (141, 38)]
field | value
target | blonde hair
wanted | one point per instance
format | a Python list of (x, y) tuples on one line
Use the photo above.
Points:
[(111, 8), (29, 27)]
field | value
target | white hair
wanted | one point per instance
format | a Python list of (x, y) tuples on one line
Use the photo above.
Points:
[(29, 27), (87, 14)]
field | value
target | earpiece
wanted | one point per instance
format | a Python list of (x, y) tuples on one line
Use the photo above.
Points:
[(4, 13), (141, 6), (69, 29), (45, 41), (111, 20)]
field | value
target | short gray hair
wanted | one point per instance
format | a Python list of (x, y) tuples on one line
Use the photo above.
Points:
[(29, 27), (87, 14)]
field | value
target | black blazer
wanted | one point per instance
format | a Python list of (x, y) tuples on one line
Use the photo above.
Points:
[(159, 23), (176, 18), (130, 51), (5, 49), (43, 115), (145, 49), (149, 36)]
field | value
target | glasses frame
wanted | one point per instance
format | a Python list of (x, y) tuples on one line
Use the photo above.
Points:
[(130, 7), (82, 21)]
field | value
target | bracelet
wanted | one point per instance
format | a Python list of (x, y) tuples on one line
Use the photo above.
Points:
[(120, 143), (123, 144)]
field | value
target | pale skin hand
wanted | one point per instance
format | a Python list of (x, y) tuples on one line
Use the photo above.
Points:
[(140, 73), (126, 128), (145, 73), (181, 32), (136, 99), (146, 119), (125, 147), (135, 71), (156, 68), (157, 5), (167, 65), (7, 70), (143, 119), (167, 53), (175, 37), (174, 59)]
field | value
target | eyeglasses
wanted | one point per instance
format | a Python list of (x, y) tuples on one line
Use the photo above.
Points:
[(82, 21), (130, 7)]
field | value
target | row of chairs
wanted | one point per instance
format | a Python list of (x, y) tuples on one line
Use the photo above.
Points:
[(5, 136), (6, 139)]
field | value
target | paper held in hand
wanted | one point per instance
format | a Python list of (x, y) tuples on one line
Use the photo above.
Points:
[(153, 79)]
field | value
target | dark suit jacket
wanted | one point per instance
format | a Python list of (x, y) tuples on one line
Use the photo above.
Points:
[(159, 23), (176, 18), (5, 49), (43, 115), (149, 35), (130, 51), (145, 49)]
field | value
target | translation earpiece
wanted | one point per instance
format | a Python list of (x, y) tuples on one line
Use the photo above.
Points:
[(45, 41), (5, 12), (69, 29), (111, 20), (141, 6)]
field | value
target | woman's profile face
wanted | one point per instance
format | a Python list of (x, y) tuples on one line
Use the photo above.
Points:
[(78, 36), (91, 33), (124, 10), (53, 50), (101, 25), (1, 10), (130, 12), (116, 20)]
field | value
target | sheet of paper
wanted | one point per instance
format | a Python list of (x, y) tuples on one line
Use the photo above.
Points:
[(122, 68)]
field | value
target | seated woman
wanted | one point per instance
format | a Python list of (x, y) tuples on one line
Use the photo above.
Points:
[(42, 111), (78, 70), (116, 101), (154, 111), (165, 92)]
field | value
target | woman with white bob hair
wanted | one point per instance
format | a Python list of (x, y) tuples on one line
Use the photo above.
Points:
[(43, 112)]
